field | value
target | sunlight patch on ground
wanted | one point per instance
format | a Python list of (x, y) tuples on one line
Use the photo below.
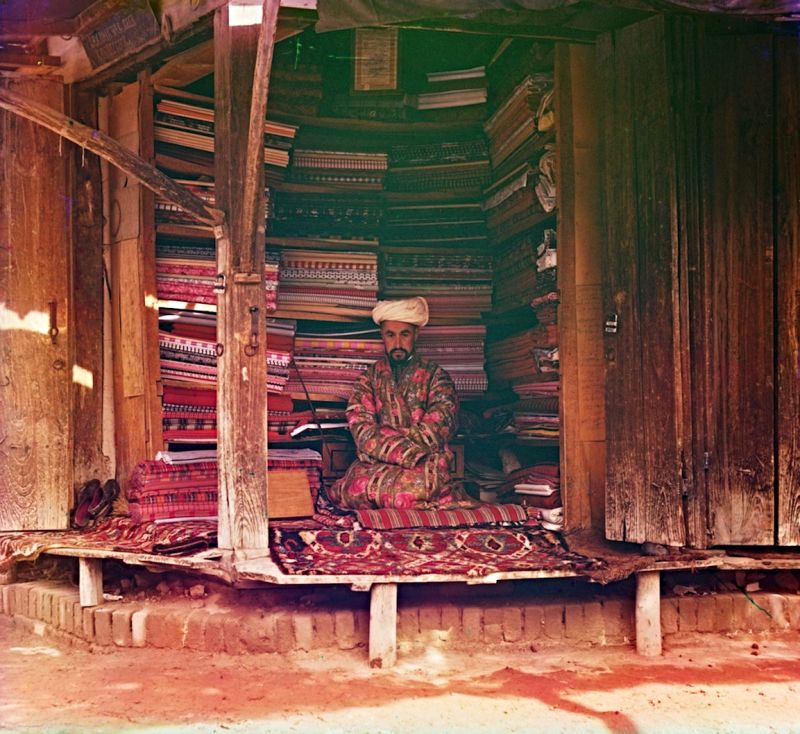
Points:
[(36, 650), (132, 686)]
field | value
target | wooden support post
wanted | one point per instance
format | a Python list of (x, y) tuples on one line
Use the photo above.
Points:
[(648, 613), (241, 322), (9, 576), (87, 301), (90, 581), (383, 625)]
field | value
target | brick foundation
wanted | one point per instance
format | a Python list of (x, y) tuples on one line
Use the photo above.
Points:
[(256, 622)]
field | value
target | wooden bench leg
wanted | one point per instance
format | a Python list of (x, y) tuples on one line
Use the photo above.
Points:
[(648, 613), (383, 625), (90, 581), (9, 576)]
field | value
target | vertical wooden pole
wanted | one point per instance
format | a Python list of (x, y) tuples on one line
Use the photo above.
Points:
[(383, 625), (134, 324), (90, 581), (580, 278), (87, 299), (241, 323), (648, 613)]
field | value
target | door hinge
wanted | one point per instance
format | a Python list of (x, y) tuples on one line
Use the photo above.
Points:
[(706, 460)]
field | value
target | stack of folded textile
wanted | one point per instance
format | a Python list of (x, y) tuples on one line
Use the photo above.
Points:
[(459, 350), (183, 484), (328, 362), (184, 128), (457, 284), (189, 413), (512, 361), (331, 220), (338, 285), (460, 165), (187, 342), (186, 272), (342, 168), (538, 486)]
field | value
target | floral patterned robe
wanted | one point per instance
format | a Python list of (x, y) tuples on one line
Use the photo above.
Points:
[(401, 431)]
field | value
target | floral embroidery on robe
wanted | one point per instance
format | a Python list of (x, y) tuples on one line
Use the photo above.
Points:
[(401, 430)]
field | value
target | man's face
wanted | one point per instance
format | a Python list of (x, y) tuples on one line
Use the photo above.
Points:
[(398, 340)]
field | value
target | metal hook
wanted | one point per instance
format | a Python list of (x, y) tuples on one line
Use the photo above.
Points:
[(252, 347), (53, 330)]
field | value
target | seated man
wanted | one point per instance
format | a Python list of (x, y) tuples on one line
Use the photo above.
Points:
[(402, 412)]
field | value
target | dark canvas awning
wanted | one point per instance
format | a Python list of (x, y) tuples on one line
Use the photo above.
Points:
[(342, 14)]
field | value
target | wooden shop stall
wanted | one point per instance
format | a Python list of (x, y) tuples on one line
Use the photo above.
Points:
[(160, 242)]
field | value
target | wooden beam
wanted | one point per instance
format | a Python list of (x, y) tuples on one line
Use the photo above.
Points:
[(13, 58), (87, 301), (241, 326), (253, 203), (90, 581), (648, 613), (383, 625), (109, 149), (544, 33)]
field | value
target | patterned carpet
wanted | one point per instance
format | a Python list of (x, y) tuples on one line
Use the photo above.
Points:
[(115, 533), (470, 551)]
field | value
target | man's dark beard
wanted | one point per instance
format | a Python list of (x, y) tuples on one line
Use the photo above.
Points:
[(395, 361)]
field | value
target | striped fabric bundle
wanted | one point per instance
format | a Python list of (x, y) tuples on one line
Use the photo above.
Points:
[(330, 362), (459, 350), (485, 514), (444, 165), (187, 272), (334, 217), (340, 168), (184, 125), (343, 284), (457, 285), (184, 484)]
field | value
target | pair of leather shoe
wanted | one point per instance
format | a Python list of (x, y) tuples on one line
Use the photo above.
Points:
[(94, 502)]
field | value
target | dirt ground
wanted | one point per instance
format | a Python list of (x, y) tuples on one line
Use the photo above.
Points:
[(708, 684)]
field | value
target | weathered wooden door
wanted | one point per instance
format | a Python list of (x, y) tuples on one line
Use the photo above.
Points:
[(787, 261), (35, 368), (733, 313), (701, 198), (645, 336)]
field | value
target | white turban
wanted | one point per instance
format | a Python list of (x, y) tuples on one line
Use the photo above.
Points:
[(408, 310)]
